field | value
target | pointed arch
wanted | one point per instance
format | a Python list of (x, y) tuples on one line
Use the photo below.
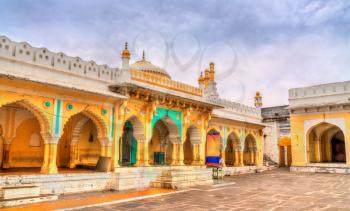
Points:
[(191, 145), (250, 150), (165, 135), (30, 130), (44, 123), (325, 142), (233, 145)]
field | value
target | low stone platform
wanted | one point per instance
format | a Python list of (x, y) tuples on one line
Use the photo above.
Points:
[(336, 168), (183, 178), (64, 183), (142, 177), (14, 195), (231, 170)]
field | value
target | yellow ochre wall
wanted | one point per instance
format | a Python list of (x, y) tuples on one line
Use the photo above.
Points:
[(298, 138)]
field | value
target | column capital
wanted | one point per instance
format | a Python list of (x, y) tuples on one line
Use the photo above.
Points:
[(105, 141)]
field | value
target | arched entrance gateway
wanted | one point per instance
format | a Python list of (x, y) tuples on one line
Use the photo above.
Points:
[(79, 145), (326, 143), (191, 146), (233, 146), (164, 142), (133, 132), (250, 150), (21, 129)]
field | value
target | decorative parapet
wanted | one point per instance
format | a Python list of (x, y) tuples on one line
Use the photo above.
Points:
[(164, 82), (23, 52), (320, 95), (237, 107)]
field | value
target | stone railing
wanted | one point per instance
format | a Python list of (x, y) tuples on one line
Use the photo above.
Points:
[(164, 82), (42, 57), (320, 90), (237, 107)]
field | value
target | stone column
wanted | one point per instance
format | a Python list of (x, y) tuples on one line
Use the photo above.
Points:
[(73, 157), (6, 155), (145, 153), (241, 163), (236, 157), (138, 153), (173, 154), (116, 144), (181, 154), (255, 160), (251, 153), (195, 155), (50, 154), (222, 156), (317, 150)]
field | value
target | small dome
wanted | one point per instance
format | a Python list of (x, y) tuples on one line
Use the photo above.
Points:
[(147, 66)]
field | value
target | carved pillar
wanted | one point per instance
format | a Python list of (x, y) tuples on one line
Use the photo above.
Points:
[(194, 154), (255, 157), (236, 157), (181, 154), (50, 154), (145, 153), (241, 163), (6, 155), (317, 150), (251, 154), (73, 157), (223, 156)]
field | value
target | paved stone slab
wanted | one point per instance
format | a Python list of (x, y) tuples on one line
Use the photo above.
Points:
[(273, 190)]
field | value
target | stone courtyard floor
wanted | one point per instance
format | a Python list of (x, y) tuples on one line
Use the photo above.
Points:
[(278, 189), (273, 190)]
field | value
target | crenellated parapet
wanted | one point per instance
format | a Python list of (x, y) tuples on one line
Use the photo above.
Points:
[(164, 82), (236, 111), (320, 98), (21, 60), (236, 107), (24, 52)]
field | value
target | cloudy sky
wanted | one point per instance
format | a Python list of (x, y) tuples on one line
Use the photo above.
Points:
[(265, 45)]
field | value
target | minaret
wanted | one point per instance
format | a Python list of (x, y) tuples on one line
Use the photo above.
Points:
[(206, 78), (258, 100), (125, 57), (201, 81), (211, 71), (210, 90)]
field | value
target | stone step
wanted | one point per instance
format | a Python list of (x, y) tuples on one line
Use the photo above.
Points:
[(19, 191), (27, 200), (181, 184)]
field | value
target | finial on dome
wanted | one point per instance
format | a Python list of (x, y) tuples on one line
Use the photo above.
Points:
[(126, 54), (143, 55)]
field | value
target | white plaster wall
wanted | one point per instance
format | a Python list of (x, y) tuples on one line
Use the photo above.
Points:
[(271, 132)]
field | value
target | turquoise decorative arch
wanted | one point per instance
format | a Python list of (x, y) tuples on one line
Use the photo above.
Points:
[(172, 114)]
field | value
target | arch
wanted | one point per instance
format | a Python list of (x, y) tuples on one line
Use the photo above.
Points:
[(191, 144), (325, 142), (233, 145), (44, 122), (100, 124), (133, 133), (165, 136), (81, 141), (138, 128), (285, 151), (250, 149), (214, 147), (27, 130)]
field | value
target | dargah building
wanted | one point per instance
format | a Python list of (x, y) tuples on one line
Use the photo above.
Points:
[(69, 125)]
